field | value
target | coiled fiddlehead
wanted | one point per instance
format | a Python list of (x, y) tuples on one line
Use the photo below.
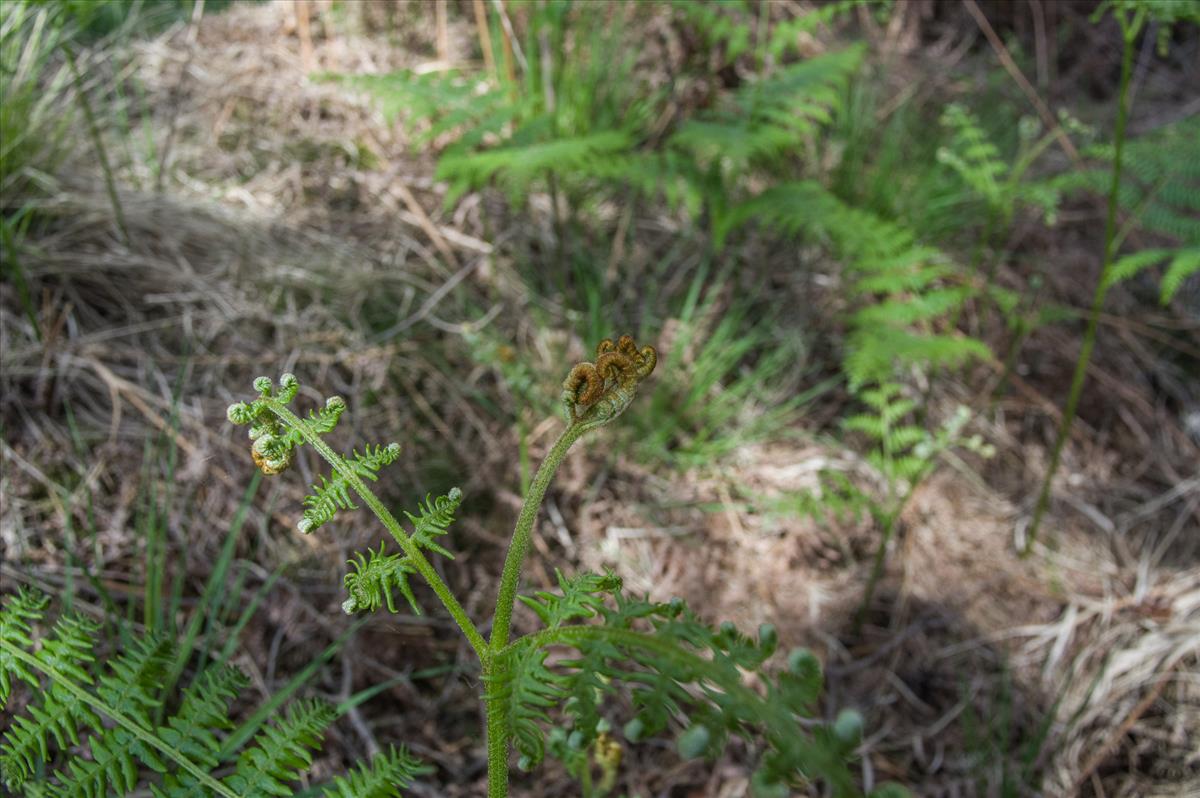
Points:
[(596, 393)]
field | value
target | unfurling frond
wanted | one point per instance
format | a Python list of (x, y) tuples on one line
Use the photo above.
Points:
[(374, 577), (525, 690), (680, 670), (274, 441), (596, 393), (276, 433)]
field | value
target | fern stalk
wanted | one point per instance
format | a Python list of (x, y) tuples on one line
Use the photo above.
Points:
[(518, 549), (385, 517), (1130, 30)]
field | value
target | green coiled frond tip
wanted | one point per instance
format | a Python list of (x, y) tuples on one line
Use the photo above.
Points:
[(596, 393), (274, 442)]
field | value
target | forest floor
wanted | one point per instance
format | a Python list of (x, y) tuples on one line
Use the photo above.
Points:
[(271, 216)]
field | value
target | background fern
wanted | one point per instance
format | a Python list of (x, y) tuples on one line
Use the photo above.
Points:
[(107, 709), (1160, 196)]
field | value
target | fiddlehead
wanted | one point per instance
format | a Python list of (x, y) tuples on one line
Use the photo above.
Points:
[(596, 393)]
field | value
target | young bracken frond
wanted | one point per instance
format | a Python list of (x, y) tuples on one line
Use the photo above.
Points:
[(382, 777), (21, 611), (333, 494), (525, 690), (580, 597), (375, 576), (678, 667)]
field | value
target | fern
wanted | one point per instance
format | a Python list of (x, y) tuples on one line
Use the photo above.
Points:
[(1160, 192), (382, 777), (523, 689), (21, 611), (581, 597), (977, 161), (281, 751), (375, 576), (678, 669), (192, 730), (905, 284), (333, 494), (108, 709), (516, 167), (770, 117)]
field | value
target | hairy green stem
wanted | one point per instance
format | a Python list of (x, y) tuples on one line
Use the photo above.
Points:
[(393, 526), (1102, 284), (518, 549), (143, 734)]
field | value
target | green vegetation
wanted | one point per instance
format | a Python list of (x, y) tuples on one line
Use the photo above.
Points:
[(876, 247), (662, 650)]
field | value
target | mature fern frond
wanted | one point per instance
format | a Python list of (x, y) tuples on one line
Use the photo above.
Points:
[(57, 712), (20, 612), (516, 167), (128, 688), (785, 36), (1160, 189), (1185, 263), (281, 751), (374, 577), (437, 104), (905, 279), (89, 730), (192, 730), (382, 777), (769, 117)]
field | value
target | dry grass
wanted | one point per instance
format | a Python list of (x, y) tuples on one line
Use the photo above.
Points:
[(1079, 664)]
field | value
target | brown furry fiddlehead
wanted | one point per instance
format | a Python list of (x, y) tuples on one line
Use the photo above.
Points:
[(596, 393)]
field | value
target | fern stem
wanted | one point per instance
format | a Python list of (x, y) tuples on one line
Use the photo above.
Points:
[(393, 526), (498, 736), (145, 736), (496, 729), (889, 526), (518, 548), (1130, 30)]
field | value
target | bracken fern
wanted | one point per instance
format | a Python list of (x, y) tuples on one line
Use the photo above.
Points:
[(107, 708), (678, 670)]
